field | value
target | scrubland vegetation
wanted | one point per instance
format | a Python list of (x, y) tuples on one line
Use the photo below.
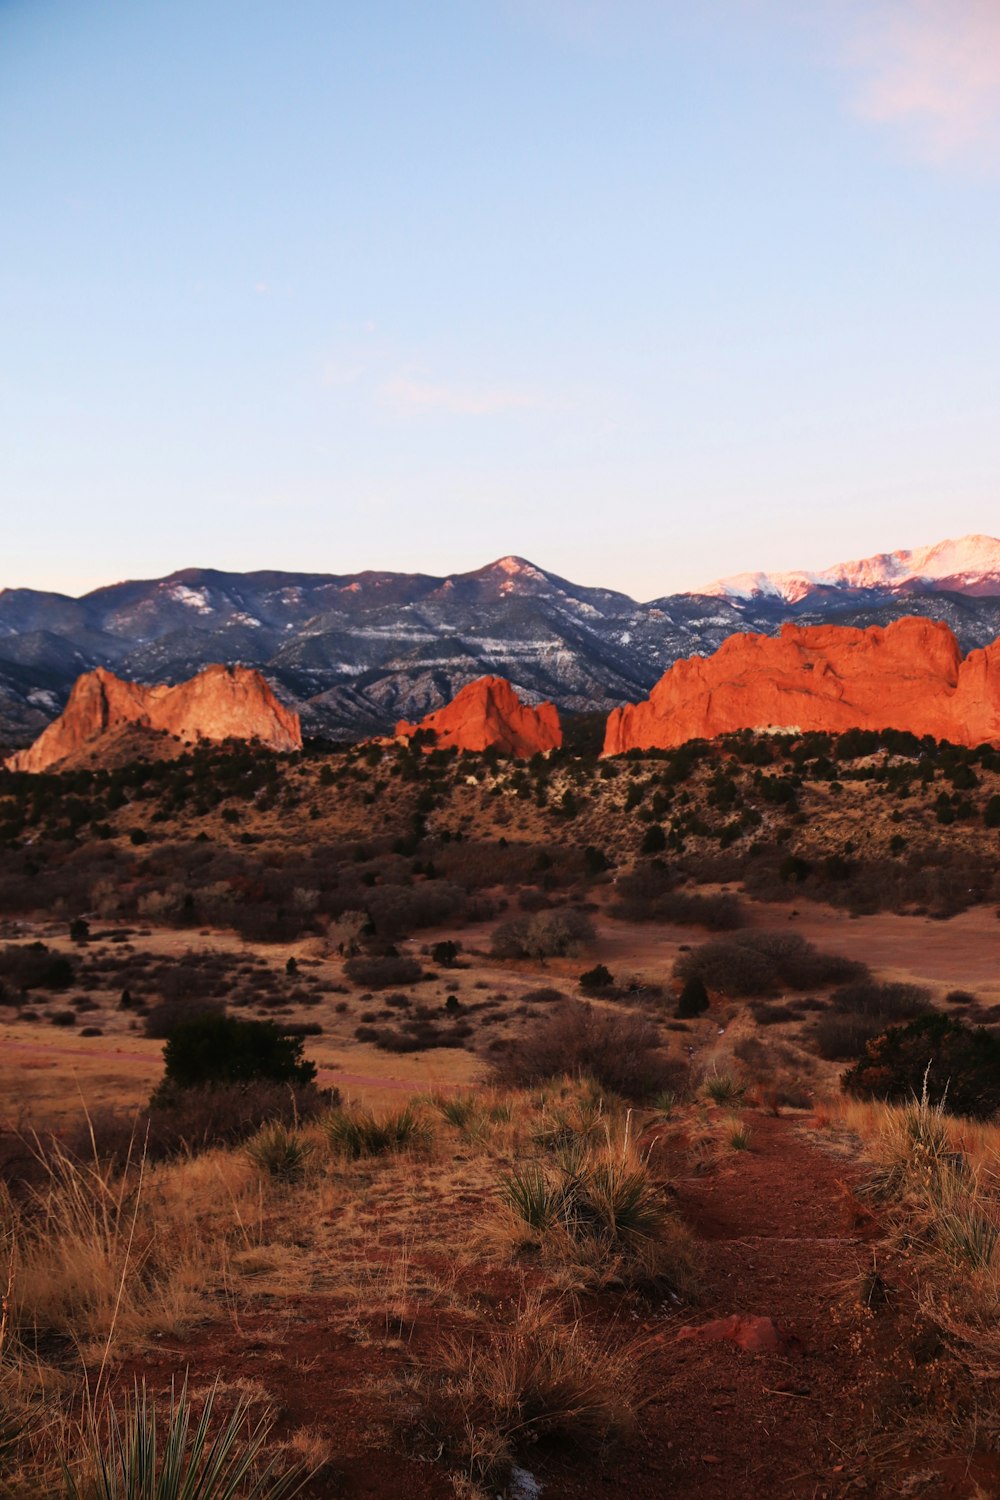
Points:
[(585, 983)]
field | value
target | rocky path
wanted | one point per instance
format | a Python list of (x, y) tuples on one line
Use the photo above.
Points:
[(847, 1401)]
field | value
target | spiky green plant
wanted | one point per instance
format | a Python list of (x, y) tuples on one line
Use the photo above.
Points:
[(357, 1133), (968, 1235), (616, 1200), (280, 1152), (533, 1197), (458, 1111), (724, 1088), (132, 1454)]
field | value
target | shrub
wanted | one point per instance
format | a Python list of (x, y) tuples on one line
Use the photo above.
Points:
[(960, 1064), (693, 1000), (621, 1052), (544, 934), (858, 1012), (654, 840), (222, 1049), (167, 1015), (279, 1152), (382, 973), (191, 1120), (760, 963), (30, 966), (723, 1088), (596, 979), (357, 1133), (520, 1379)]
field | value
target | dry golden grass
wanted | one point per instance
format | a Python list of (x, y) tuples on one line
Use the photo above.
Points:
[(105, 1261), (939, 1178), (536, 1374)]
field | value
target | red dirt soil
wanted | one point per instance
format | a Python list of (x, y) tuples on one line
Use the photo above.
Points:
[(864, 1402)]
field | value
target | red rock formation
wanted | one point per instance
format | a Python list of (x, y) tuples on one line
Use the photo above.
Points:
[(220, 703), (488, 712), (908, 675)]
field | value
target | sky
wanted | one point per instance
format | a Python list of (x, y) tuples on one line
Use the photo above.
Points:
[(644, 291)]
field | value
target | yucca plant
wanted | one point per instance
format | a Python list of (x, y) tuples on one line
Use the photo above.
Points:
[(724, 1088), (131, 1454), (968, 1235), (280, 1152), (357, 1133), (617, 1200), (459, 1111), (532, 1197)]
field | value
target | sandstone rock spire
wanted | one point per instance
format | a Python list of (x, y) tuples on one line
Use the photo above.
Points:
[(219, 703), (488, 713)]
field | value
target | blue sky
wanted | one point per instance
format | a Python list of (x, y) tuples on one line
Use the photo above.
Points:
[(648, 298)]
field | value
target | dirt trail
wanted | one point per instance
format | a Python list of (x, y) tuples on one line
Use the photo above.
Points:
[(843, 1411)]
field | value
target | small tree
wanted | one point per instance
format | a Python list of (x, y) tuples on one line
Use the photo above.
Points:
[(214, 1049), (654, 840), (595, 979), (960, 1063), (693, 999)]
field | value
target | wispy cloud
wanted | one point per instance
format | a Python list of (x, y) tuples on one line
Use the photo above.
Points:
[(932, 69), (423, 396), (372, 369)]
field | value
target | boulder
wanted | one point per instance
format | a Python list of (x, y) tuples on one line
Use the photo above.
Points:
[(220, 703), (909, 675), (488, 713)]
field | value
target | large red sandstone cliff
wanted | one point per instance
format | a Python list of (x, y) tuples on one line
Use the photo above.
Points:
[(908, 675), (220, 703), (488, 712)]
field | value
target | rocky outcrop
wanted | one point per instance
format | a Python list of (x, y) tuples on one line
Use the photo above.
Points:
[(221, 703), (488, 713), (908, 675)]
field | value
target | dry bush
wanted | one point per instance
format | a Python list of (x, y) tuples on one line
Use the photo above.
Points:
[(621, 1051), (382, 973), (482, 1398), (187, 1121), (862, 1011), (592, 1208), (761, 963), (936, 1175), (105, 1257), (545, 934), (649, 894)]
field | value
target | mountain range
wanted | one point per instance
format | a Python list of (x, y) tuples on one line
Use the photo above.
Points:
[(355, 652)]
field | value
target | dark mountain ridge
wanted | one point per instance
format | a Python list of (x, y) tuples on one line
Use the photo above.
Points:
[(354, 652)]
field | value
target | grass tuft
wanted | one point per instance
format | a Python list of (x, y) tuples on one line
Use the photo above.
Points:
[(134, 1454), (279, 1152), (357, 1133)]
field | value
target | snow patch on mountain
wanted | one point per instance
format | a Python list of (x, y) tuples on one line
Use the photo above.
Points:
[(963, 563), (196, 599)]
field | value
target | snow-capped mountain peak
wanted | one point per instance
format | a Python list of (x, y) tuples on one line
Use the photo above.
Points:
[(968, 564)]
